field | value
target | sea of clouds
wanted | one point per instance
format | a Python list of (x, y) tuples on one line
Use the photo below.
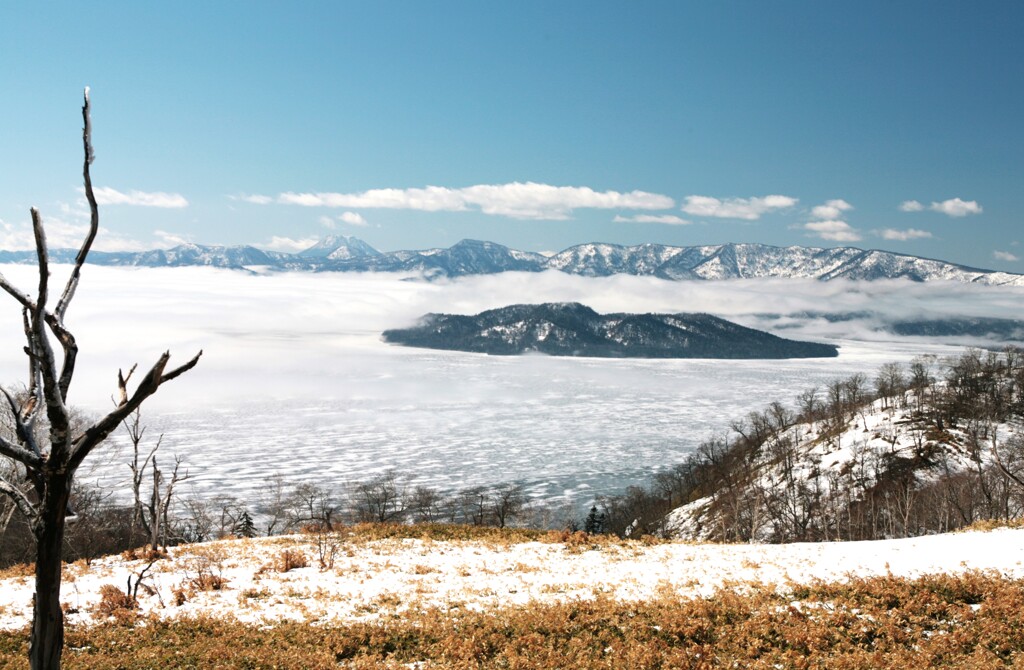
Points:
[(295, 380)]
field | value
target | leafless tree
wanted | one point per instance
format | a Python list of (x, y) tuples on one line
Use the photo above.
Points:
[(507, 503), (151, 511), (273, 504), (427, 505), (890, 384), (50, 464), (312, 506), (380, 499)]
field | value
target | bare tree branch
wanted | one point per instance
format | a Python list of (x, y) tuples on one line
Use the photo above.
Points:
[(94, 216), (34, 381), (16, 293), (88, 440), (23, 423), (20, 454), (56, 410), (122, 384), (22, 502), (1002, 466), (183, 369)]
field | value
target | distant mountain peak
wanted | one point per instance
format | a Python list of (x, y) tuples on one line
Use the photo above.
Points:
[(339, 247)]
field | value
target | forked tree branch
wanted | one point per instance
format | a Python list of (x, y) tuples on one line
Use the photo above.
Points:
[(96, 433), (23, 423), (122, 385), (21, 501), (20, 454)]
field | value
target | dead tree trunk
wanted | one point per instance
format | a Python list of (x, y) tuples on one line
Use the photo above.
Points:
[(51, 463)]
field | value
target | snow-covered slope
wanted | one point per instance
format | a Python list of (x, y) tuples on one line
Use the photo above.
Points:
[(876, 461)]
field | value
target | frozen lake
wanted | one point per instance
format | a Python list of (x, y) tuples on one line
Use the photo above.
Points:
[(294, 379)]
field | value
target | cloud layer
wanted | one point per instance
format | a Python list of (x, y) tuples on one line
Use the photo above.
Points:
[(749, 209), (61, 234), (955, 207), (109, 196), (903, 235), (668, 219), (518, 200), (833, 209), (827, 223), (835, 230)]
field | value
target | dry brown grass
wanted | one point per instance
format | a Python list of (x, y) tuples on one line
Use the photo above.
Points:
[(968, 621), (18, 570), (986, 525), (286, 561)]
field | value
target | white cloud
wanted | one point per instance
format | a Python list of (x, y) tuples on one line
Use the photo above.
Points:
[(911, 206), (833, 209), (327, 222), (669, 219), (838, 231), (1005, 256), (749, 209), (288, 244), (353, 219), (255, 198), (109, 196), (518, 200), (956, 207), (63, 235), (903, 235), (167, 239)]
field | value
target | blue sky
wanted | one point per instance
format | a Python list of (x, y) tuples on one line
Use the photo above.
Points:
[(534, 124)]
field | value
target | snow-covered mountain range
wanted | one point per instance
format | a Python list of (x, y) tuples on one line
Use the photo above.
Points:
[(471, 257)]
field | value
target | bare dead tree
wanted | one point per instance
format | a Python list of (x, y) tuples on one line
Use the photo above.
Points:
[(50, 464), (150, 512)]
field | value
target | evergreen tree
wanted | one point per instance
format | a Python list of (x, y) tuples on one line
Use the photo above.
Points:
[(245, 526)]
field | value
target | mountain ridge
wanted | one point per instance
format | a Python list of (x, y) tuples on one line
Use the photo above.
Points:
[(475, 257)]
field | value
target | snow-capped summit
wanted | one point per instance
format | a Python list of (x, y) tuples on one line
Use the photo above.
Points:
[(339, 247)]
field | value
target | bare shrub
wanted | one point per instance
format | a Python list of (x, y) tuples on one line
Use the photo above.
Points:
[(116, 603), (288, 560)]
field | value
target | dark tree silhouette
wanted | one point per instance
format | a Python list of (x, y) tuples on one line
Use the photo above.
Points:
[(50, 463)]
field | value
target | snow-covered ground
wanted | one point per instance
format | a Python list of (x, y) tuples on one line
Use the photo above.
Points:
[(371, 579)]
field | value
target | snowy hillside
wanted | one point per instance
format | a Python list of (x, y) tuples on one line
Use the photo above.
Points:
[(906, 458)]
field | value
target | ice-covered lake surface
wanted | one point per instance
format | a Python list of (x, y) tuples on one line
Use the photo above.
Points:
[(567, 428), (295, 380)]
